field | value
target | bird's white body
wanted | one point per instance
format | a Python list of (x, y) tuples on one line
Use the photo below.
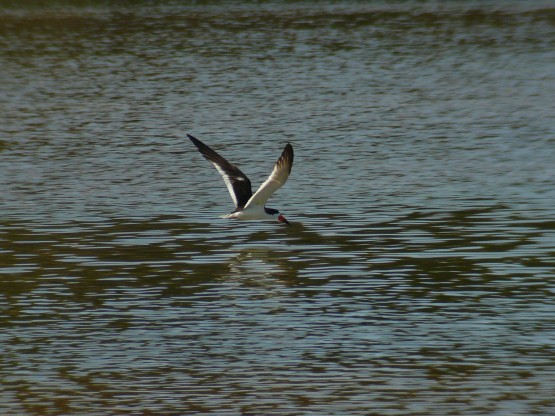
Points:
[(251, 213)]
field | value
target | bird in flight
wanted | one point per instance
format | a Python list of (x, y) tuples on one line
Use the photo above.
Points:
[(249, 206)]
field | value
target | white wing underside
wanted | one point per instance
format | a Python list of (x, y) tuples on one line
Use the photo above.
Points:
[(228, 183), (275, 181)]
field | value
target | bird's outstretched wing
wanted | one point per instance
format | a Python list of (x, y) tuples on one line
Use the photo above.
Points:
[(277, 178), (237, 183)]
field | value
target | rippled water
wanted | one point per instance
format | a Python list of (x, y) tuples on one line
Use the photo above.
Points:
[(419, 274)]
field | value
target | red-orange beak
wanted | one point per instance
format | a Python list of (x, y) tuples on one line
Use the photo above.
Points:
[(281, 218)]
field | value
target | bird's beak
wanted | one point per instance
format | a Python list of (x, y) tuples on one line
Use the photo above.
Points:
[(281, 218)]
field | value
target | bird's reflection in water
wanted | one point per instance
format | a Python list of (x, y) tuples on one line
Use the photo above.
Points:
[(260, 265)]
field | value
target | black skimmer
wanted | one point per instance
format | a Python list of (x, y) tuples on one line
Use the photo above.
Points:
[(249, 206)]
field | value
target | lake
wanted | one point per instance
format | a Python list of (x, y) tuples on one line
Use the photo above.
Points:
[(417, 277)]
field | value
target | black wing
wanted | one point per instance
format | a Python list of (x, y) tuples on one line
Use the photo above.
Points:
[(237, 183)]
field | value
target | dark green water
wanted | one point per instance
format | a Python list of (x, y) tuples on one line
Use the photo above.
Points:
[(418, 277)]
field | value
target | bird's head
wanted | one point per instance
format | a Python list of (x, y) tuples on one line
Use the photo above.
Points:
[(275, 212)]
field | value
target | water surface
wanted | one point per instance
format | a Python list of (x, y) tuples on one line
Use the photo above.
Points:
[(418, 275)]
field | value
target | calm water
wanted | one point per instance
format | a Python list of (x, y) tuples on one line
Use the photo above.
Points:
[(418, 277)]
